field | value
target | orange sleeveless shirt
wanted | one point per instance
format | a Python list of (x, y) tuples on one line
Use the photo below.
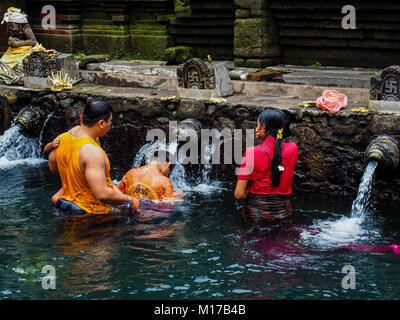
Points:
[(75, 187)]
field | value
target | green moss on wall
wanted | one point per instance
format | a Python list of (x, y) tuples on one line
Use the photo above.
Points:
[(149, 47)]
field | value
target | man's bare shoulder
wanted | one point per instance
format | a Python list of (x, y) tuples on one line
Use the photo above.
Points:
[(91, 152)]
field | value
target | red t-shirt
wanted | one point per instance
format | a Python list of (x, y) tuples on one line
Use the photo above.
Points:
[(255, 167)]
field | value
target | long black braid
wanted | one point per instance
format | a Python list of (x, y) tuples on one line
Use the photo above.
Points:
[(274, 121)]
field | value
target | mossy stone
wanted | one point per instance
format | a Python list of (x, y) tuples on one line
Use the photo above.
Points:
[(180, 54)]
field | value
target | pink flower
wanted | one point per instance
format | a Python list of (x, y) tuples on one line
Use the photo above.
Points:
[(332, 101)]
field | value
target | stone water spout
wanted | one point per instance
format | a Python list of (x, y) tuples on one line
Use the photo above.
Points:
[(385, 150), (187, 128)]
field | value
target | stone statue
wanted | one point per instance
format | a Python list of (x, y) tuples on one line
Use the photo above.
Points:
[(22, 43)]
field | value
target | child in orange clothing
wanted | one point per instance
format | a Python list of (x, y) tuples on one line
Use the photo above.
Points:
[(149, 182)]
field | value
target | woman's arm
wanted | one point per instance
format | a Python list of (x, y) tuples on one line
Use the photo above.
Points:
[(240, 191)]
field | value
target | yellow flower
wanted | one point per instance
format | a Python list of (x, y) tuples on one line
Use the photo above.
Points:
[(279, 136)]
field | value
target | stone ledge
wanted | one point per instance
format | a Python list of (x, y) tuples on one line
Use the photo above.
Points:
[(384, 106)]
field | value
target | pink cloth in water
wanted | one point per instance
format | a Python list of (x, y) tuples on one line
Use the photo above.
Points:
[(394, 248)]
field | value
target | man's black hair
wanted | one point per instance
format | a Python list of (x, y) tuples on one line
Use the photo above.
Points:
[(95, 111)]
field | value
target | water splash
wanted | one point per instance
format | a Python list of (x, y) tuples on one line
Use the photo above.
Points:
[(178, 175), (15, 146), (41, 132), (207, 154), (360, 205), (346, 229), (137, 162)]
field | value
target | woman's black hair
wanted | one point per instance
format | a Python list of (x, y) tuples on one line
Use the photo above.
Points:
[(95, 111), (274, 120)]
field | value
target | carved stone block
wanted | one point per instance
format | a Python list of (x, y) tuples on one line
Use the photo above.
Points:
[(38, 64), (386, 85), (200, 80), (196, 74)]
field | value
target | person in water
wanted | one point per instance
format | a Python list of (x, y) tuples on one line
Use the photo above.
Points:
[(84, 167), (75, 117), (150, 182), (266, 171)]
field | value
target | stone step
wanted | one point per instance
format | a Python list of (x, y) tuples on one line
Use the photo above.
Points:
[(319, 76), (302, 92), (305, 83), (327, 76), (134, 67), (240, 87), (136, 81)]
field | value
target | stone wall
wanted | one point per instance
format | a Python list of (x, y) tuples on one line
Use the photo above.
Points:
[(206, 26), (311, 31), (124, 29), (331, 147), (256, 35), (253, 33)]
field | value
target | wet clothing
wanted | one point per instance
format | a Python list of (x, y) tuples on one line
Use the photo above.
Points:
[(69, 208), (266, 202), (266, 207), (74, 185), (144, 183)]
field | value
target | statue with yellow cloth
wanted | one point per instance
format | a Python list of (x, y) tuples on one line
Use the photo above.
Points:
[(22, 43)]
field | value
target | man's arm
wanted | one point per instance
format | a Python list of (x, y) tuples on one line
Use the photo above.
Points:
[(93, 164)]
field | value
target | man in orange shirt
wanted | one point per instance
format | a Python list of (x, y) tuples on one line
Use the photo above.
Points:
[(84, 167), (149, 182)]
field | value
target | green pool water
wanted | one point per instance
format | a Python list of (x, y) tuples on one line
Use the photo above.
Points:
[(199, 249)]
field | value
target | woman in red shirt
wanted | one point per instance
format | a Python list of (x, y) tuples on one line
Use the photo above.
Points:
[(266, 172)]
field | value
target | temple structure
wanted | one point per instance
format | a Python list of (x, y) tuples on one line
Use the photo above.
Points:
[(253, 33)]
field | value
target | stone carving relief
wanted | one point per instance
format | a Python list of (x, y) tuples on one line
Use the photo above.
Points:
[(386, 85), (39, 64), (196, 74)]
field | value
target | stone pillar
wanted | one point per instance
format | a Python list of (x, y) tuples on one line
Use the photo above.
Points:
[(256, 40), (105, 27), (149, 22)]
